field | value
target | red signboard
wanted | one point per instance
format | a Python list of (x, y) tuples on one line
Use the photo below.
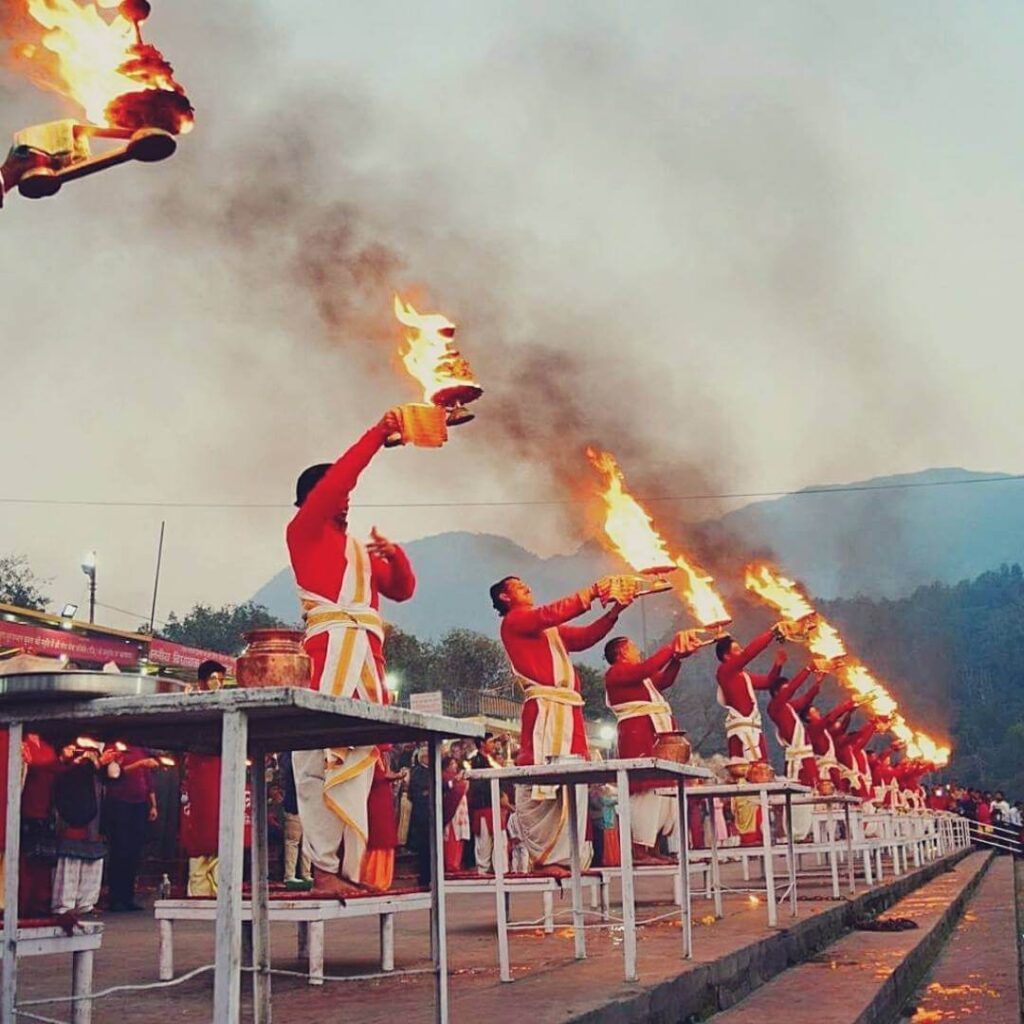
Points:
[(55, 642), (163, 652)]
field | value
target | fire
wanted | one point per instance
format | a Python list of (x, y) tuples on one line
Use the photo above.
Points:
[(824, 640), (432, 359), (632, 534), (102, 64), (783, 594)]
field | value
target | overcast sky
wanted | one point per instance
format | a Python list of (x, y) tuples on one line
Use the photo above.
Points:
[(749, 247)]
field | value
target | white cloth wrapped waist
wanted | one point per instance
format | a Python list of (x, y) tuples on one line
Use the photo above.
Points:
[(641, 709), (557, 694), (799, 753), (324, 616)]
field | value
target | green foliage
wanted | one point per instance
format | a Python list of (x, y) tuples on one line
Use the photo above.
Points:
[(19, 585), (954, 658), (460, 660), (218, 629)]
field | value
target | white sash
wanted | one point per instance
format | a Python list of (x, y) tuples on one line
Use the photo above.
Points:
[(656, 708), (828, 760), (797, 749), (554, 727), (746, 727)]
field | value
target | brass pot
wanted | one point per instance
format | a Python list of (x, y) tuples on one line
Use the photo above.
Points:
[(738, 770), (274, 657), (760, 771), (673, 746)]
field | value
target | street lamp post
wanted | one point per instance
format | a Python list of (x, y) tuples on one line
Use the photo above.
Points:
[(89, 568)]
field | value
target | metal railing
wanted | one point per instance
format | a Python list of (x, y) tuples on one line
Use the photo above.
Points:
[(997, 837)]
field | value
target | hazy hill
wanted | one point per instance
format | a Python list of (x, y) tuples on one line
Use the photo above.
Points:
[(849, 541)]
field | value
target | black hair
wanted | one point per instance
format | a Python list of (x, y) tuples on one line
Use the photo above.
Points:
[(611, 649), (308, 479), (496, 591), (207, 668), (722, 646)]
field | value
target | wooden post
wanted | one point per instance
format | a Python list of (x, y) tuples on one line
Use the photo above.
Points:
[(260, 891), (12, 856), (228, 959), (628, 895)]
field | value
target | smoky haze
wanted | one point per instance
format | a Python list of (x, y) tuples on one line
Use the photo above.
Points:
[(741, 251)]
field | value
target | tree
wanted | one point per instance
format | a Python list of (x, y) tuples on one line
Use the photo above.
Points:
[(219, 629), (19, 585)]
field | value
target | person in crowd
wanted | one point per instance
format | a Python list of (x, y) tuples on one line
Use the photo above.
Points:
[(80, 847), (130, 805), (296, 859), (538, 641), (456, 813), (420, 836), (341, 581), (38, 842), (984, 812), (1000, 809), (199, 830), (378, 870), (481, 819)]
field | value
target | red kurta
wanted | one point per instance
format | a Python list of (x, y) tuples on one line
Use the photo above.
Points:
[(624, 682), (522, 633), (316, 546), (732, 679)]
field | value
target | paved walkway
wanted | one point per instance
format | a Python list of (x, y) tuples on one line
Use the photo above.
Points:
[(976, 979), (550, 986), (842, 983)]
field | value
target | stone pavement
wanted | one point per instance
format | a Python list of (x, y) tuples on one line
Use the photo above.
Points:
[(976, 977), (550, 985)]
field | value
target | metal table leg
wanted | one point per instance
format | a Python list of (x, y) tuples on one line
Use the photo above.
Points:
[(686, 903), (769, 866), (498, 856), (716, 866), (851, 868), (228, 962), (628, 895), (260, 891), (579, 933), (438, 925), (791, 853), (12, 855)]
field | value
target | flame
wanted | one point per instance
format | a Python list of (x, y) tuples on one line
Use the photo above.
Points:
[(431, 358), (103, 65), (632, 534), (824, 640)]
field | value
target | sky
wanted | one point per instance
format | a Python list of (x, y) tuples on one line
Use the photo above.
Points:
[(745, 247)]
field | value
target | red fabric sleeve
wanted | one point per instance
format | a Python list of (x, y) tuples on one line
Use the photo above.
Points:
[(535, 620), (330, 496), (582, 638), (736, 662), (394, 577), (624, 672), (802, 703)]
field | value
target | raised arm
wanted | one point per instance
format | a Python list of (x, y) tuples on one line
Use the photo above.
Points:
[(765, 680), (802, 703), (782, 696), (735, 662), (392, 570), (541, 617), (661, 659), (582, 638), (863, 735), (833, 716), (330, 496)]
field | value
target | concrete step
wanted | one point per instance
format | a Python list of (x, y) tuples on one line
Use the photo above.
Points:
[(864, 977), (976, 975)]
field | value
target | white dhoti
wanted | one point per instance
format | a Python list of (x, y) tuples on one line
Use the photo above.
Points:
[(746, 728), (653, 814), (544, 825), (76, 885), (333, 785), (796, 751)]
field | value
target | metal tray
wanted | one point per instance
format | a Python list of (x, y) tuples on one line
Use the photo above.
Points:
[(71, 685)]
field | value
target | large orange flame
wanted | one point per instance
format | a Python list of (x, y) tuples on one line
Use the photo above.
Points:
[(824, 640), (432, 359), (632, 534), (102, 64)]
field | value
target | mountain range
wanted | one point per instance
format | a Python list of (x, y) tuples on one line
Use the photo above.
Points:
[(882, 537)]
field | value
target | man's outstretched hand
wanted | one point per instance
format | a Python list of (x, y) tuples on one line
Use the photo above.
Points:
[(390, 423), (379, 546)]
